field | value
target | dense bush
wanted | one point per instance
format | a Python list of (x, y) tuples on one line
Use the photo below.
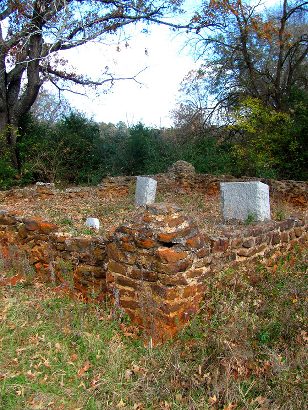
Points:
[(65, 151), (7, 172), (76, 150), (270, 143)]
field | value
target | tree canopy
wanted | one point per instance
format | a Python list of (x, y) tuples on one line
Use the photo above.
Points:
[(245, 50), (34, 32)]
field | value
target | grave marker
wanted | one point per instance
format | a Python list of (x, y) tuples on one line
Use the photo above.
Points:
[(145, 191), (244, 200)]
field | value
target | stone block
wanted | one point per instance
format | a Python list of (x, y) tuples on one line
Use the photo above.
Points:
[(240, 200), (145, 191)]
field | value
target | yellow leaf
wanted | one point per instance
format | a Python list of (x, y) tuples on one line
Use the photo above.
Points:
[(213, 399), (121, 404)]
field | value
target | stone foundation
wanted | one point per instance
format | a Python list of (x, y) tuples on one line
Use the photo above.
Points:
[(156, 270), (153, 266)]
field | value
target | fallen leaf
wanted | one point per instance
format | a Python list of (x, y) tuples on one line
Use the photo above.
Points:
[(73, 357), (121, 404), (230, 406), (30, 374), (84, 369), (128, 374), (213, 399)]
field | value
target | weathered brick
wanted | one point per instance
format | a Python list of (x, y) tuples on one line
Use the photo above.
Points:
[(125, 281), (90, 271), (246, 252), (189, 291), (285, 237), (195, 242), (170, 268), (7, 219), (117, 267), (171, 255), (171, 307), (39, 225), (129, 303), (292, 234), (114, 252), (286, 225), (142, 274), (236, 243), (166, 237), (260, 239), (174, 222), (128, 293), (128, 247), (173, 280), (166, 292), (298, 231), (220, 245), (203, 252), (146, 243), (249, 243)]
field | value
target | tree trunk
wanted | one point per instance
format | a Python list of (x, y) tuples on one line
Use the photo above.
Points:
[(9, 130)]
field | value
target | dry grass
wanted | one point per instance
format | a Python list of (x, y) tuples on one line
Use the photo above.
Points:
[(70, 211), (245, 350)]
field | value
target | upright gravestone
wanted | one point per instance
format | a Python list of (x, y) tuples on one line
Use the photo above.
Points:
[(244, 200), (145, 191)]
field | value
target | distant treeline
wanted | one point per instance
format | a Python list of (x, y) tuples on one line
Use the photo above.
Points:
[(76, 150)]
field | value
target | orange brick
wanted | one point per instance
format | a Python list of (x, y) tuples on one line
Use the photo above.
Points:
[(117, 267), (170, 255)]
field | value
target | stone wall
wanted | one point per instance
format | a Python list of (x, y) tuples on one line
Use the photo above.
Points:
[(156, 269), (153, 267), (57, 257), (182, 176), (262, 241)]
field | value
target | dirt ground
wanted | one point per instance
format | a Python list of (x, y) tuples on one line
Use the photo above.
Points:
[(69, 208)]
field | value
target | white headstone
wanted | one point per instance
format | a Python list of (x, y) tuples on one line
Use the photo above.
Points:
[(244, 200), (145, 191), (92, 223)]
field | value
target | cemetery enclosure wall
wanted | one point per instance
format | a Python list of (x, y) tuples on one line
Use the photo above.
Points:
[(96, 265), (55, 256), (295, 192)]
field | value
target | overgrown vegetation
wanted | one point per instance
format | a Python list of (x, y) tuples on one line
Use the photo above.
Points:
[(243, 111), (76, 150), (245, 350)]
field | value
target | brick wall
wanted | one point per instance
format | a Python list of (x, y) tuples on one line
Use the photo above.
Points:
[(153, 267), (57, 257)]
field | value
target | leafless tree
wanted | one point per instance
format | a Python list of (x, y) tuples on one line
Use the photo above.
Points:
[(34, 32)]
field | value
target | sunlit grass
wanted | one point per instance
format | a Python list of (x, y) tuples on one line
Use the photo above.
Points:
[(245, 350)]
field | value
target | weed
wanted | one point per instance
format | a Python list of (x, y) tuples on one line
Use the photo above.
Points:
[(15, 262), (280, 215), (64, 269), (250, 219), (66, 221)]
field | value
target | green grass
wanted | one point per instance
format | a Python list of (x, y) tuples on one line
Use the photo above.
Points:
[(245, 350)]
